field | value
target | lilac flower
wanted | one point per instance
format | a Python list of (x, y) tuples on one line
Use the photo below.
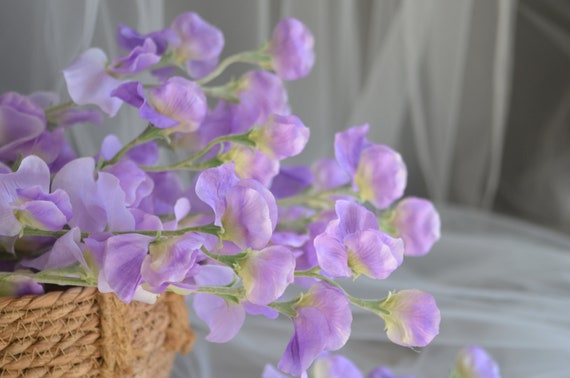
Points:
[(245, 209), (378, 172), (119, 258), (224, 318), (89, 83), (381, 175), (328, 174), (21, 122), (335, 366), (281, 136), (199, 44), (140, 58), (292, 49), (25, 199), (129, 39), (417, 222), (291, 180), (261, 94), (475, 362), (412, 318), (98, 204), (251, 164), (18, 285), (170, 261), (322, 324), (266, 273), (176, 103), (384, 372), (354, 244)]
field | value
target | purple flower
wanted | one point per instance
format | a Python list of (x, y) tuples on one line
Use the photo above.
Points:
[(199, 44), (412, 318), (245, 209), (354, 244), (21, 122), (89, 83), (142, 154), (18, 285), (129, 39), (417, 222), (140, 58), (335, 366), (176, 103), (224, 318), (384, 372), (170, 261), (67, 250), (475, 362), (251, 164), (25, 199), (292, 49), (328, 174), (266, 273), (381, 175), (281, 136), (322, 324), (134, 182), (98, 204), (119, 258), (377, 171), (291, 180), (262, 94)]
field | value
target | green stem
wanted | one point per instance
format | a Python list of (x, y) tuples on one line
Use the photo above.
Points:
[(148, 134), (58, 107), (252, 57), (317, 200)]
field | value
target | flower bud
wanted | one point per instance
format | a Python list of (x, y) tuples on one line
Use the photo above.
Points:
[(292, 49)]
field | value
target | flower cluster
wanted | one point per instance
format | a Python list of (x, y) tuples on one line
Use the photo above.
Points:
[(226, 222)]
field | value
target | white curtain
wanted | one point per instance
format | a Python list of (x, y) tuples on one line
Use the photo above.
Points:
[(476, 96)]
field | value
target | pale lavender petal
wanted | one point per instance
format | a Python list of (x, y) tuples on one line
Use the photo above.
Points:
[(413, 318), (252, 163), (354, 217), (373, 253), (328, 174), (212, 186), (145, 221), (214, 275), (267, 273), (308, 341), (200, 68), (292, 49), (66, 251), (224, 318), (128, 38), (198, 39), (417, 222), (144, 154), (381, 175), (168, 189), (335, 366), (332, 255), (43, 215), (254, 309), (291, 180), (282, 136), (140, 58), (475, 362), (89, 83), (270, 372), (112, 197), (134, 181), (384, 372), (348, 145)]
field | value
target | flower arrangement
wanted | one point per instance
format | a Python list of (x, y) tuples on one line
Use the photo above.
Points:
[(225, 223)]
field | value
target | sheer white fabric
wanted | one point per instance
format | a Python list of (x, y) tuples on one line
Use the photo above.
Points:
[(451, 84)]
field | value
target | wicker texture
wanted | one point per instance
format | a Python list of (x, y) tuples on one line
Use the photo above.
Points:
[(83, 333)]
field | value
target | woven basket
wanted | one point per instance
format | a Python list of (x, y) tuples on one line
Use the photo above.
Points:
[(83, 333)]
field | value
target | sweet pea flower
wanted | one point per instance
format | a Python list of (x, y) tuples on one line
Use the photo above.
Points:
[(177, 104), (384, 372), (134, 182), (266, 273), (335, 366), (224, 318), (353, 243), (67, 250), (412, 318), (25, 199), (129, 39), (198, 45), (89, 83), (245, 209), (281, 136), (417, 222), (119, 259), (475, 362), (322, 323), (140, 58), (292, 49), (291, 180), (377, 171), (251, 163), (328, 174)]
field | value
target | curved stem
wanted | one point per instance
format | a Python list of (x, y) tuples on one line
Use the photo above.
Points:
[(252, 57), (148, 134)]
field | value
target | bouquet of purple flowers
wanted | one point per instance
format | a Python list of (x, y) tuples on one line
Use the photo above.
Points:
[(220, 219)]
